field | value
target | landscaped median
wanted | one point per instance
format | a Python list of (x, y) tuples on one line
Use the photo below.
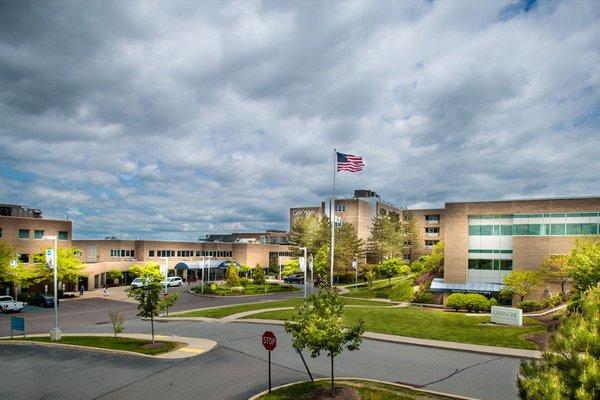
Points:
[(249, 289), (366, 389), (135, 344)]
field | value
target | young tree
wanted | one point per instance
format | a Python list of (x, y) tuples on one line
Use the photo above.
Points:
[(392, 267), (311, 232), (233, 276), (557, 268), (118, 322), (317, 326), (168, 301), (386, 240), (570, 367), (7, 254), (258, 275), (409, 230), (585, 259), (434, 261), (69, 266), (291, 267), (148, 298), (347, 246), (521, 282), (114, 274), (149, 269), (21, 276), (244, 269)]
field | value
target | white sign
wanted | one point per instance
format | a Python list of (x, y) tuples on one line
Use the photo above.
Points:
[(507, 315), (302, 263), (303, 212), (354, 264), (50, 257)]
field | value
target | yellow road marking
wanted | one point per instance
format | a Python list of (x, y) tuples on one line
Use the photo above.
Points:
[(191, 350)]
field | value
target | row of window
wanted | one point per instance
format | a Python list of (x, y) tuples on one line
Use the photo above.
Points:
[(190, 253), (431, 242), (490, 251), (122, 253), (39, 234), (435, 218), (535, 229), (340, 207), (550, 215), (495, 265), (273, 254)]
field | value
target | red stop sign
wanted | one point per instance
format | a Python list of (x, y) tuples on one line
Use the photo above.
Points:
[(269, 340)]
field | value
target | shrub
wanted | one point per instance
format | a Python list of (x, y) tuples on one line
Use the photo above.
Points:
[(258, 275), (425, 279), (118, 322), (493, 302), (423, 295), (238, 289), (476, 302), (530, 305), (456, 301), (244, 282), (233, 277), (213, 287)]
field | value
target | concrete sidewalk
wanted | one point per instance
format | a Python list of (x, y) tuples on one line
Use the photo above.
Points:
[(193, 346)]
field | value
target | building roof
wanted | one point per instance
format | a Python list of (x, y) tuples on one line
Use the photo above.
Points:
[(438, 285)]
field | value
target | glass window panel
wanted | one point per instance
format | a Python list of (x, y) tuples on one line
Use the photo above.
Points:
[(574, 215), (63, 235), (506, 229), (486, 230), (474, 229), (557, 215), (505, 265), (23, 233), (557, 229), (521, 229), (496, 265), (485, 264), (496, 230), (38, 234), (589, 229), (589, 214), (573, 229), (534, 229)]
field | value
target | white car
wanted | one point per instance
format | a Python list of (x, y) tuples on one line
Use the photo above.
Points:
[(172, 281), (138, 283), (7, 303)]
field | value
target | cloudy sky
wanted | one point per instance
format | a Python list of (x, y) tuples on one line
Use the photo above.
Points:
[(171, 120)]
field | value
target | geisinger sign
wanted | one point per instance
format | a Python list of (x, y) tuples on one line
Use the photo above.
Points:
[(507, 315)]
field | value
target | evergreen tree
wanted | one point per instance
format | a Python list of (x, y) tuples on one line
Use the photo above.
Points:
[(258, 276)]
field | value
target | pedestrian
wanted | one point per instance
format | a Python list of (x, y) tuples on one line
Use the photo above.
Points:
[(81, 289), (105, 287)]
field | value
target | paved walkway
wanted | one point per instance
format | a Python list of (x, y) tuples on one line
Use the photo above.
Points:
[(117, 293), (193, 346)]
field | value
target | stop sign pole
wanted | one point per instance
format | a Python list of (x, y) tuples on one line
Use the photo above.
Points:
[(269, 342)]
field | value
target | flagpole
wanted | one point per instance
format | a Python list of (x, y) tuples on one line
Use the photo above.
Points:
[(332, 219)]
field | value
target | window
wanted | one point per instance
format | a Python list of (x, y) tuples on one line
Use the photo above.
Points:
[(63, 235), (151, 253), (431, 242), (557, 229), (474, 230), (197, 253), (23, 233), (432, 231), (506, 265), (486, 230), (432, 219), (573, 229), (38, 234), (586, 229), (340, 207), (24, 258)]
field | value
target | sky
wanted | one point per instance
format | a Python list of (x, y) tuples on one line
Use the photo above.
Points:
[(172, 120)]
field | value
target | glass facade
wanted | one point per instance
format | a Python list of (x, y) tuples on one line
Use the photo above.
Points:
[(496, 265), (567, 224)]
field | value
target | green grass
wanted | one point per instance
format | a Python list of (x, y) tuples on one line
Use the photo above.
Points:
[(367, 390), (401, 290), (109, 342), (432, 324), (230, 310), (249, 290)]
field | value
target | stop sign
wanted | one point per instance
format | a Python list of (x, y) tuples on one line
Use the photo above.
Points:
[(269, 340)]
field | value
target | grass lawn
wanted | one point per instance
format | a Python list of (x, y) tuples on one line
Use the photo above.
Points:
[(367, 390), (108, 342), (401, 290), (230, 310), (249, 289), (433, 324)]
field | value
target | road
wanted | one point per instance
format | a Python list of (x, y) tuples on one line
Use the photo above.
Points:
[(236, 370)]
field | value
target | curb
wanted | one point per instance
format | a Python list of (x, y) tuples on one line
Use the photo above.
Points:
[(451, 396), (162, 356), (209, 296)]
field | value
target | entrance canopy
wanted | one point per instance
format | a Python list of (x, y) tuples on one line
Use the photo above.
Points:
[(438, 285), (197, 265)]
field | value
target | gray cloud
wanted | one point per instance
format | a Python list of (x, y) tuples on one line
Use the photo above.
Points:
[(176, 119)]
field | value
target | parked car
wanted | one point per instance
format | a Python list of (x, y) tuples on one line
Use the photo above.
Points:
[(138, 283), (298, 278), (7, 303), (44, 300), (172, 281)]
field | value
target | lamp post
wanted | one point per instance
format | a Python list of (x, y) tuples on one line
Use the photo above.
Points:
[(303, 266), (208, 279), (355, 265), (55, 332)]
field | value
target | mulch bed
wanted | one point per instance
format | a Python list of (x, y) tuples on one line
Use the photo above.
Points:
[(341, 393)]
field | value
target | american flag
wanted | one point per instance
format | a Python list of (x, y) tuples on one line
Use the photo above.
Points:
[(350, 163)]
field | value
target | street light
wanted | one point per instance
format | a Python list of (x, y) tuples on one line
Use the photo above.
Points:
[(55, 332), (303, 266)]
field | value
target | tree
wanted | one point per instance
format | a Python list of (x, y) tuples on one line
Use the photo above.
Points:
[(410, 233), (392, 267), (69, 266), (434, 261), (258, 275), (386, 240), (7, 254), (521, 282), (149, 269), (148, 298), (557, 268), (233, 276), (21, 276), (244, 269), (317, 326), (585, 261), (347, 246), (311, 232), (570, 367), (113, 274), (291, 267), (168, 301), (118, 322)]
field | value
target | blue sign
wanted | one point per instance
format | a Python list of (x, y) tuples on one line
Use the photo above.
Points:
[(17, 323)]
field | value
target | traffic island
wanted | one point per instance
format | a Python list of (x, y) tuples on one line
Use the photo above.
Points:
[(351, 389), (166, 347)]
